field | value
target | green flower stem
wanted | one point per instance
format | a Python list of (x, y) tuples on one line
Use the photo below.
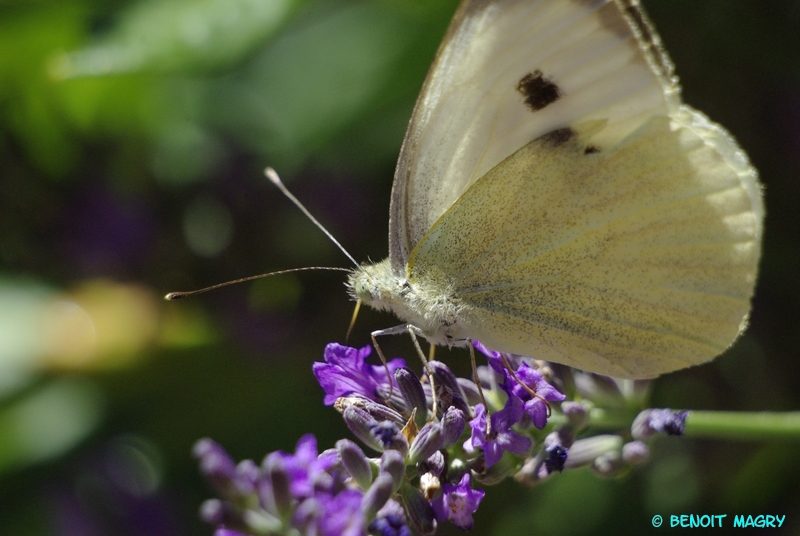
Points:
[(736, 425), (760, 426), (599, 418), (611, 419)]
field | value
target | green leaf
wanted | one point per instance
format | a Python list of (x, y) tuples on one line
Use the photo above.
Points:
[(169, 36)]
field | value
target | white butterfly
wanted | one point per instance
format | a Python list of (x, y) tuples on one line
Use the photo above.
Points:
[(555, 198)]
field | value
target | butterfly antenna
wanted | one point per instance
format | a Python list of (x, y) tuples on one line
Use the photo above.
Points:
[(178, 295), (272, 175)]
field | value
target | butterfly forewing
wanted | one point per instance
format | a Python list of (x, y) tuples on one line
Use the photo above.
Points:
[(508, 72)]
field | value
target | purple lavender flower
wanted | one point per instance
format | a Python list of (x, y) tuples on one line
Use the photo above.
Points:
[(534, 406), (217, 466), (556, 457), (668, 421), (390, 521), (457, 503), (228, 532), (494, 358), (338, 491), (307, 471), (341, 515), (652, 421), (530, 377), (502, 437), (346, 372)]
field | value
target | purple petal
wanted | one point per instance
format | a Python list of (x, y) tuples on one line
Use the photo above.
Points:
[(513, 442), (346, 372), (494, 357), (478, 425), (457, 503), (503, 438), (342, 515), (537, 411), (510, 415), (228, 532), (533, 379)]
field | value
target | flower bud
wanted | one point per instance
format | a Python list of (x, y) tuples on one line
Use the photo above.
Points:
[(428, 441), (361, 424), (379, 412), (576, 412), (652, 421), (356, 462), (246, 477), (435, 463), (635, 452), (444, 377), (215, 512), (390, 520), (393, 463), (453, 424), (279, 484), (556, 457), (217, 466), (586, 451), (419, 510), (413, 394), (608, 464), (377, 495), (471, 393)]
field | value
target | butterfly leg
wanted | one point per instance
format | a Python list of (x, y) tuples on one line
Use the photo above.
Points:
[(413, 331), (388, 331), (478, 384)]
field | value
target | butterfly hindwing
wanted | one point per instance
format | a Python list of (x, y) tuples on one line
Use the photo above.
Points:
[(631, 261)]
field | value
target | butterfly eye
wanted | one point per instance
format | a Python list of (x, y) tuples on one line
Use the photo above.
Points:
[(362, 289)]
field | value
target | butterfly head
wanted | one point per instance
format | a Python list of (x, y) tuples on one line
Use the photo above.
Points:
[(375, 285)]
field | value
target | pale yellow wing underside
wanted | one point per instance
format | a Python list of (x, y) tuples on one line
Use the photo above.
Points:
[(601, 54), (632, 261)]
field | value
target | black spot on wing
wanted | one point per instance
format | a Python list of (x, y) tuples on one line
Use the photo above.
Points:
[(591, 149), (538, 90), (557, 138)]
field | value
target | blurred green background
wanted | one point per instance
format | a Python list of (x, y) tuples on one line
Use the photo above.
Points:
[(133, 135)]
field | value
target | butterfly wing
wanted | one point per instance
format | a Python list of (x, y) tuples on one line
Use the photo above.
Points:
[(508, 72), (630, 261), (554, 188)]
